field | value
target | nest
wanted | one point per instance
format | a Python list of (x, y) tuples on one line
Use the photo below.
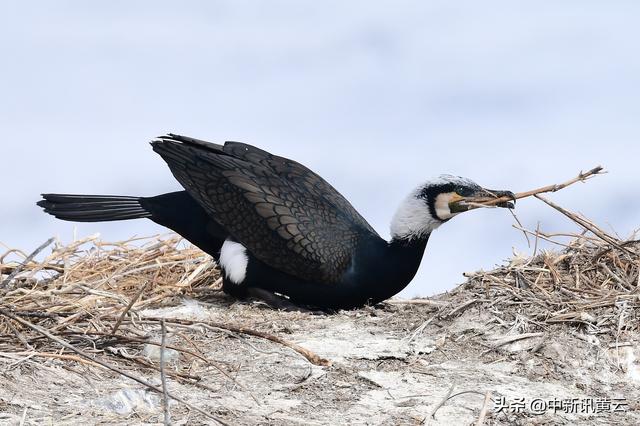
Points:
[(590, 284), (96, 279)]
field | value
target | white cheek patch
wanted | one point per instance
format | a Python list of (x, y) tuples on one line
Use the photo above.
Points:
[(233, 261), (413, 219), (442, 206)]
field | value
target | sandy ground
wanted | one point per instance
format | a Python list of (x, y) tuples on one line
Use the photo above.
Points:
[(386, 369)]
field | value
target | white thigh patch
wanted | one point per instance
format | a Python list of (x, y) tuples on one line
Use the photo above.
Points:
[(233, 261)]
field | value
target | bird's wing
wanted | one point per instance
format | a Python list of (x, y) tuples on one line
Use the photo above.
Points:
[(282, 212)]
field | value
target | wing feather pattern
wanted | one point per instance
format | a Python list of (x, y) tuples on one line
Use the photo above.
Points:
[(282, 212)]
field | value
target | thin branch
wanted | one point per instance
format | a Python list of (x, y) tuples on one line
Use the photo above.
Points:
[(583, 176), (133, 300), (19, 336), (448, 396), (417, 301), (24, 416), (520, 225), (511, 339), (463, 305), (309, 355), (485, 409), (163, 378), (66, 357), (440, 404), (539, 235), (25, 262), (586, 224)]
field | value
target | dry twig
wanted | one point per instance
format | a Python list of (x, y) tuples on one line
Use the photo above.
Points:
[(432, 414), (448, 396), (25, 262), (309, 355), (492, 201), (511, 339), (163, 378), (485, 409)]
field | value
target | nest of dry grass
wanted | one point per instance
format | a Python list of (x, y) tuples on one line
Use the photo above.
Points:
[(591, 284), (92, 278)]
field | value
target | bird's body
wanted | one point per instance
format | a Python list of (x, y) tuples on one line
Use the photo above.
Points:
[(278, 230)]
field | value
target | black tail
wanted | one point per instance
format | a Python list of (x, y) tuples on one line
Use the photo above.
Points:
[(175, 210), (93, 208)]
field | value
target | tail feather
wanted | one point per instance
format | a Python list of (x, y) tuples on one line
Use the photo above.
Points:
[(93, 208)]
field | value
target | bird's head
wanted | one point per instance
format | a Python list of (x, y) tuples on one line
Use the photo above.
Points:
[(435, 202)]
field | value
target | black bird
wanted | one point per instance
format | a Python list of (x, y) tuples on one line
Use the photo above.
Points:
[(279, 231)]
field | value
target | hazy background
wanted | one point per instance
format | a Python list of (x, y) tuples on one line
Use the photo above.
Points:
[(374, 96)]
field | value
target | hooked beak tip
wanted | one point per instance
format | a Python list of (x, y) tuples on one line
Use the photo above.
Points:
[(506, 194), (507, 204)]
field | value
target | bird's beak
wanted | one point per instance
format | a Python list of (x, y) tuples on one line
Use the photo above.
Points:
[(482, 198), (508, 204)]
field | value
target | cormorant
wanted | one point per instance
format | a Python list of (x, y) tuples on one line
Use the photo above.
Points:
[(278, 231)]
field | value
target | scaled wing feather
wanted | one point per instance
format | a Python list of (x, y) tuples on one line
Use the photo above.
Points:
[(282, 212)]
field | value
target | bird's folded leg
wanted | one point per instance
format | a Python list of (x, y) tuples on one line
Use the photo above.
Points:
[(278, 302)]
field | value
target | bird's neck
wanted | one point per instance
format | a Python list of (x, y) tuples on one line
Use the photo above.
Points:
[(401, 261), (405, 255)]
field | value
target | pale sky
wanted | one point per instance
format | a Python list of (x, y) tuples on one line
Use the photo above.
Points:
[(374, 96)]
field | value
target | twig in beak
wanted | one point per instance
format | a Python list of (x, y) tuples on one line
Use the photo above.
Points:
[(491, 202)]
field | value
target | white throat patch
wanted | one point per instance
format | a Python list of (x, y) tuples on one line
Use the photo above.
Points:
[(233, 261), (413, 218)]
